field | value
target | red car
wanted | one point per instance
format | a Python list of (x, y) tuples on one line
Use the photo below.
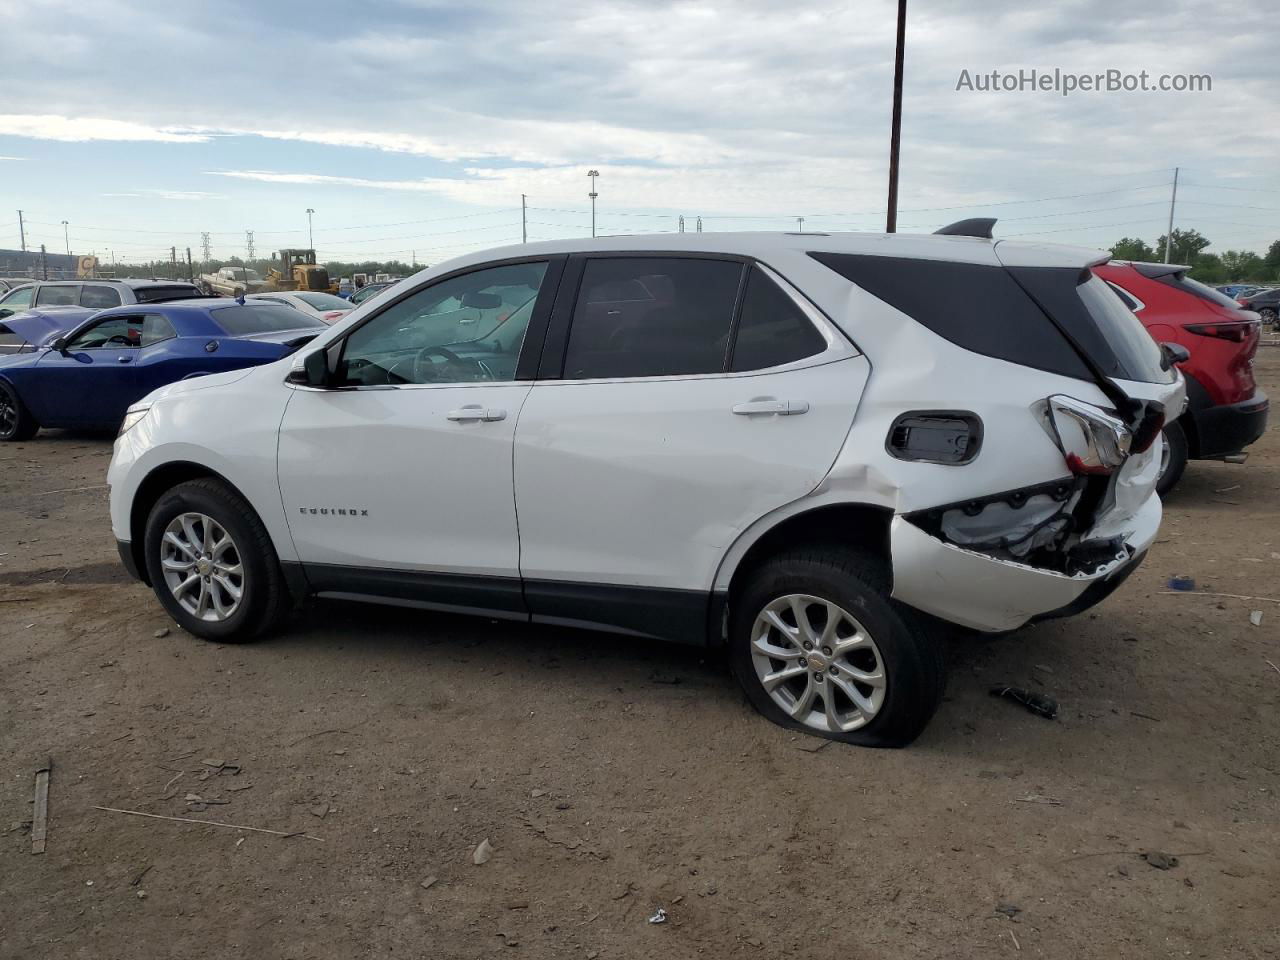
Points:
[(1226, 411)]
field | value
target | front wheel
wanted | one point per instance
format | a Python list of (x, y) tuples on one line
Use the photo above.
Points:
[(212, 564), (16, 422), (1173, 458), (1269, 316), (818, 646)]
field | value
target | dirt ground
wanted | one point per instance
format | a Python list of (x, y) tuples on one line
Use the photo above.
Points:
[(613, 777)]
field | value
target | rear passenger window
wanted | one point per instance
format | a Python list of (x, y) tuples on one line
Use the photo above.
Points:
[(773, 330), (99, 298), (155, 328), (652, 317), (57, 296)]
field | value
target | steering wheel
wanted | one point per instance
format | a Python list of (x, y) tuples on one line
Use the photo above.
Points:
[(424, 372), (120, 338)]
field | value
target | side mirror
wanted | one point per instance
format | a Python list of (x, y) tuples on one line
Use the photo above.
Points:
[(317, 369), (60, 345), (1175, 353)]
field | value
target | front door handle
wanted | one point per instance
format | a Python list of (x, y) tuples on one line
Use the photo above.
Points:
[(473, 412), (123, 359), (783, 408)]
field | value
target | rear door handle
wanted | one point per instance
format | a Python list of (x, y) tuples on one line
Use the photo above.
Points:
[(783, 408), (473, 412)]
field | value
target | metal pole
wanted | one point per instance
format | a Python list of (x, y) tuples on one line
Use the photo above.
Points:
[(191, 273), (593, 174), (524, 219), (895, 136), (1168, 237), (66, 237), (173, 263), (22, 232), (800, 220), (44, 264), (680, 223), (699, 224), (311, 240)]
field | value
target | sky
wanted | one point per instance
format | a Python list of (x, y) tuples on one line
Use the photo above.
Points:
[(413, 127)]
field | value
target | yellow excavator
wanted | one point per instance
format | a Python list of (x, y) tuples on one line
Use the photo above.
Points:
[(298, 270)]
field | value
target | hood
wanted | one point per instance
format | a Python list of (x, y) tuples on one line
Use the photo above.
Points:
[(192, 384), (295, 338), (39, 327)]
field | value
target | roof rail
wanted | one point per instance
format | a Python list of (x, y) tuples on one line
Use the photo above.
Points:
[(973, 227)]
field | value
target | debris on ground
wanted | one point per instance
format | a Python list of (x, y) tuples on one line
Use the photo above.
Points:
[(813, 744), (1159, 860), (483, 851), (162, 632), (1038, 798), (1008, 909), (1255, 617), (537, 793), (428, 883), (209, 823), (321, 810), (1181, 583), (659, 916), (1037, 703), (40, 814)]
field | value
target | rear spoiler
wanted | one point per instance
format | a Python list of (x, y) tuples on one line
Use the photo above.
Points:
[(1154, 271)]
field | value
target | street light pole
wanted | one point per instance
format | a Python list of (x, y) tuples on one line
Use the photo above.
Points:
[(593, 174), (66, 237), (311, 240), (895, 135)]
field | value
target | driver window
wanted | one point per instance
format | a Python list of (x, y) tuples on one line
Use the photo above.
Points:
[(113, 333), (462, 330)]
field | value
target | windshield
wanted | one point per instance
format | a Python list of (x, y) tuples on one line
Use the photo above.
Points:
[(1136, 355), (243, 273), (324, 301), (254, 318)]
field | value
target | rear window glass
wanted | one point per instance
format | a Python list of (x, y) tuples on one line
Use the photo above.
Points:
[(262, 318), (977, 307), (324, 301), (99, 297), (1197, 289), (57, 296), (152, 294)]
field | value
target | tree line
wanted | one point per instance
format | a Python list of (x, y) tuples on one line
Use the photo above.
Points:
[(1230, 266), (260, 265)]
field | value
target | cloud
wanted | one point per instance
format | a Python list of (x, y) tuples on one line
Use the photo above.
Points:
[(170, 194), (81, 129), (12, 158)]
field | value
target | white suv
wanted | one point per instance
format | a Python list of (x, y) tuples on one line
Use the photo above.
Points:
[(808, 448)]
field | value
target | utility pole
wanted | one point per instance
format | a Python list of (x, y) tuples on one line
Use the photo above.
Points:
[(66, 237), (680, 226), (248, 243), (593, 174), (895, 135), (413, 260), (44, 264), (191, 273), (699, 224), (204, 247), (311, 240), (1168, 237), (800, 220), (22, 232), (173, 263), (524, 219)]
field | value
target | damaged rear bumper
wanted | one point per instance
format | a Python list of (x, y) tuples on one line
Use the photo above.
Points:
[(986, 593)]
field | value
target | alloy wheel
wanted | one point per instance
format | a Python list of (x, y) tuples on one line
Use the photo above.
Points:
[(8, 415), (202, 567), (818, 663)]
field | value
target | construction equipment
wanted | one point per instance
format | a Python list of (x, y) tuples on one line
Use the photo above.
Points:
[(298, 270)]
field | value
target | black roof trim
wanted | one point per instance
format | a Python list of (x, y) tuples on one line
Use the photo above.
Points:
[(973, 227), (1154, 271)]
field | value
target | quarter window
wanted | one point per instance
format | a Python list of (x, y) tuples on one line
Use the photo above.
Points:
[(57, 296), (155, 328), (464, 329), (98, 297), (773, 329), (19, 299), (652, 317)]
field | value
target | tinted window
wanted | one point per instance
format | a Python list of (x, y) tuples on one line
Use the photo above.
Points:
[(772, 329), (464, 329), (152, 294), (1137, 355), (1123, 294), (1197, 289), (155, 328), (261, 318), (19, 299), (652, 317), (113, 333), (99, 298), (324, 301), (981, 308), (57, 296)]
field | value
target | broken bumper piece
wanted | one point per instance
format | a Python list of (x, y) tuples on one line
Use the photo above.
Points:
[(974, 589)]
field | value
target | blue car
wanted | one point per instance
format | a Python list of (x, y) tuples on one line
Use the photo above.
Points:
[(90, 375)]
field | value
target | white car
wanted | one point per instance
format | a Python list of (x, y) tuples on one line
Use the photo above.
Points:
[(807, 448), (322, 306)]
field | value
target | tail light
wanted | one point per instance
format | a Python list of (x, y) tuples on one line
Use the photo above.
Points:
[(1243, 301), (1237, 331), (1092, 442), (331, 315)]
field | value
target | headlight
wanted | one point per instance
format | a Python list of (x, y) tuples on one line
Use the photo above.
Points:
[(132, 418)]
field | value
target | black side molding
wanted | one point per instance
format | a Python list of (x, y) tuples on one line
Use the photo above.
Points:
[(973, 227)]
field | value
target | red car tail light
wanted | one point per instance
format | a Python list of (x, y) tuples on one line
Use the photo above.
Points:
[(331, 315), (1237, 331)]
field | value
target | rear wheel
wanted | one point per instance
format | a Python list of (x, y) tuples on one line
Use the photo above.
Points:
[(1269, 316), (818, 646), (212, 564), (16, 422), (1173, 458)]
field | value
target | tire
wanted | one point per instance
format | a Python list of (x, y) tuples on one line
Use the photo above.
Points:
[(16, 422), (1175, 439), (904, 655), (263, 601), (1268, 315)]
